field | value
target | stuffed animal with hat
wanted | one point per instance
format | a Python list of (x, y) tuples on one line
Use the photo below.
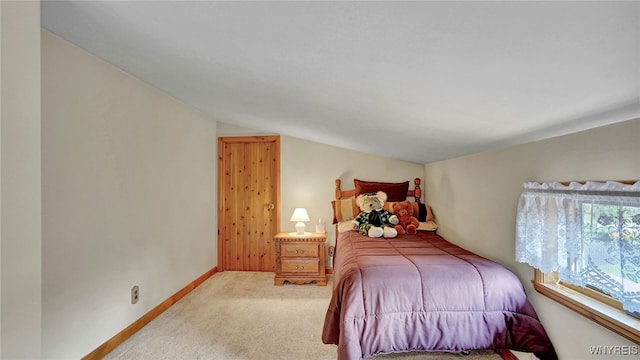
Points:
[(373, 220)]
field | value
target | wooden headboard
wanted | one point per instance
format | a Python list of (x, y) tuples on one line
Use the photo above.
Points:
[(415, 193)]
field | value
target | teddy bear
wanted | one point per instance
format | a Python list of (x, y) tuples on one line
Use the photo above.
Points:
[(407, 223), (373, 220)]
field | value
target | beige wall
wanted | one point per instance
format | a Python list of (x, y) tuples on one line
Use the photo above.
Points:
[(129, 195), (20, 195), (475, 198), (309, 170), (128, 198)]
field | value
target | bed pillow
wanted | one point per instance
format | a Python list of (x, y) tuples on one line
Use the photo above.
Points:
[(394, 191), (427, 220), (422, 212), (425, 213), (344, 210), (347, 225), (427, 226)]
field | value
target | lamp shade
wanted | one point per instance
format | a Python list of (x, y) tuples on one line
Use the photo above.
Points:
[(300, 215)]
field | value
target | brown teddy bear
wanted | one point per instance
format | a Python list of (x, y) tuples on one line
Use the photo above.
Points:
[(408, 224)]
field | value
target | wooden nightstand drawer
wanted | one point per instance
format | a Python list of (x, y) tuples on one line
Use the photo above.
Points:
[(299, 266), (299, 250)]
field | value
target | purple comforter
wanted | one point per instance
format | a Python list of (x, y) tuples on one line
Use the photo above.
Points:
[(423, 293)]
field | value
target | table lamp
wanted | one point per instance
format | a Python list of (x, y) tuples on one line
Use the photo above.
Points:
[(300, 216)]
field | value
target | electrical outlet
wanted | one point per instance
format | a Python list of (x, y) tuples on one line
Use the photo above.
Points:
[(135, 294)]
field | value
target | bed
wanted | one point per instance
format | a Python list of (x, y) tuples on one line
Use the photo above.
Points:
[(422, 293)]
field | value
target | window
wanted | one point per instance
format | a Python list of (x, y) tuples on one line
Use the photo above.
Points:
[(613, 267), (584, 241)]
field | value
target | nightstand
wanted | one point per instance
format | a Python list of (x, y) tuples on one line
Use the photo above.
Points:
[(300, 259)]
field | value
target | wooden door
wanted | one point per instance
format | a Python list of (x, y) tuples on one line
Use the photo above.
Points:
[(248, 193)]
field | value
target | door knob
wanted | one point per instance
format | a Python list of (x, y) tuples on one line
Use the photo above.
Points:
[(270, 206)]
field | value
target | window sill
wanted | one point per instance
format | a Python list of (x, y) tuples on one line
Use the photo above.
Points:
[(608, 316)]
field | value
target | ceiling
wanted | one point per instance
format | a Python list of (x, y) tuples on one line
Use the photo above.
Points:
[(416, 81)]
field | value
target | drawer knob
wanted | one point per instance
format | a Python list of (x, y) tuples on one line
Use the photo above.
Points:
[(299, 267), (299, 251)]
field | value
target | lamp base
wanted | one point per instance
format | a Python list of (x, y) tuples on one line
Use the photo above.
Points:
[(300, 228)]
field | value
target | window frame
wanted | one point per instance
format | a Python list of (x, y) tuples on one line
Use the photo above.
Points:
[(594, 305), (589, 303)]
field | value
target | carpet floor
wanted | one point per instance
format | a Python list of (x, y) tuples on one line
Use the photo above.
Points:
[(243, 316)]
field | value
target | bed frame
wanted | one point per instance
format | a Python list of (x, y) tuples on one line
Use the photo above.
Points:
[(343, 194)]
